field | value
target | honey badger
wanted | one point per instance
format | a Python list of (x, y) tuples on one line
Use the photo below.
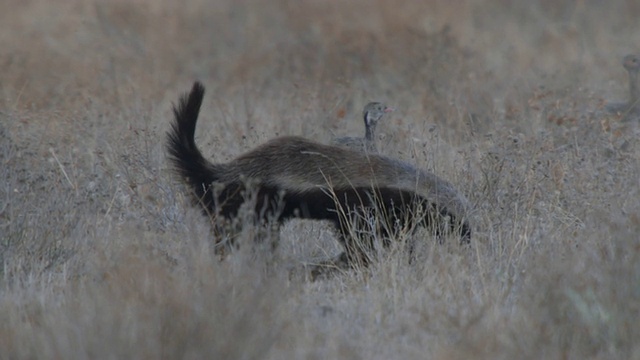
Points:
[(292, 177)]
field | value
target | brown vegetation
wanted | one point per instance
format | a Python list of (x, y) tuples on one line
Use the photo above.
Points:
[(103, 255)]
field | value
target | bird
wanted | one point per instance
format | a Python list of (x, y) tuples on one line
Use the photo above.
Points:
[(372, 113), (293, 177), (630, 109)]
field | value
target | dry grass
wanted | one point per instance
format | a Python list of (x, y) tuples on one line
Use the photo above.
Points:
[(103, 255)]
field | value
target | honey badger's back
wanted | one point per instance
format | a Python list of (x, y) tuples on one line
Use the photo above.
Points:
[(298, 165)]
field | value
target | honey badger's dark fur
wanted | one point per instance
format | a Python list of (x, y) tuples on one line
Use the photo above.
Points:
[(296, 177)]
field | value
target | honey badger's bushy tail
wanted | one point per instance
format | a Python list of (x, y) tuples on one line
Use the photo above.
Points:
[(183, 152)]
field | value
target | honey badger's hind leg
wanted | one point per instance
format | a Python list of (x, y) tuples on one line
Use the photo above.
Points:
[(255, 218)]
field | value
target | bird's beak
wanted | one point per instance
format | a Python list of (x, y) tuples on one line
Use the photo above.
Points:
[(388, 109)]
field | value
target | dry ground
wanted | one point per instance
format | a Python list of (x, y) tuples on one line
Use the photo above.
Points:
[(103, 255)]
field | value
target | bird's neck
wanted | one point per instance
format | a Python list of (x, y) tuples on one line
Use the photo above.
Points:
[(370, 128)]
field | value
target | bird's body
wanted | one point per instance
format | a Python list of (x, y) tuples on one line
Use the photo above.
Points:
[(631, 109)]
